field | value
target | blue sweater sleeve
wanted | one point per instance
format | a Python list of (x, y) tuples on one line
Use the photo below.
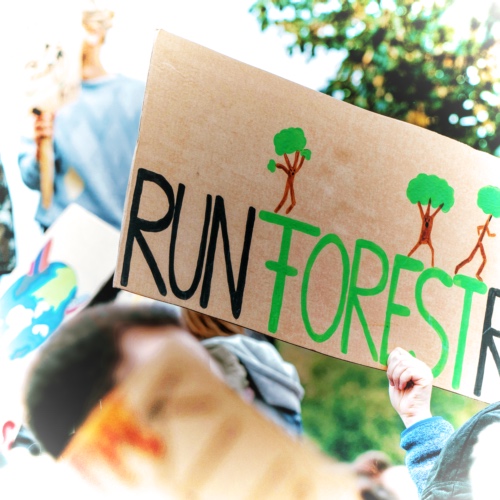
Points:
[(28, 164), (423, 443)]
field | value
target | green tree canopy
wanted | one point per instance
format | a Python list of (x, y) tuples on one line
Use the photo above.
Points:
[(289, 141), (431, 189), (399, 59), (488, 200)]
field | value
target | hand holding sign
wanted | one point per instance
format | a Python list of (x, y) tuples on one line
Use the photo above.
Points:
[(410, 386)]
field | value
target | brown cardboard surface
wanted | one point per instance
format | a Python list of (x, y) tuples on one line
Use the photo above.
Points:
[(332, 274), (173, 429)]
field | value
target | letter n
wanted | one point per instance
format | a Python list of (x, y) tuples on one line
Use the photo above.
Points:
[(235, 290)]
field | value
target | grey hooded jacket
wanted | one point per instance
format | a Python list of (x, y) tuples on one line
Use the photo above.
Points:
[(256, 364)]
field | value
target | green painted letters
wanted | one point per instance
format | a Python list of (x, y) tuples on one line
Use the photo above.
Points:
[(326, 240), (400, 262), (446, 280), (281, 267), (355, 292)]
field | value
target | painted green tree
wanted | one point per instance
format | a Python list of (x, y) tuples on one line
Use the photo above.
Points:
[(433, 192), (402, 59), (290, 141), (488, 200)]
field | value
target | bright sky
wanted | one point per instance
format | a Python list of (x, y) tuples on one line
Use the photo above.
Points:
[(222, 25)]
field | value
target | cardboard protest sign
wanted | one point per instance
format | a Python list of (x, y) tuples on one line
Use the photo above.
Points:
[(281, 209), (76, 258), (175, 428)]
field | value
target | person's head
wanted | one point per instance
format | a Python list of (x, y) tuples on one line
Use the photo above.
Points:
[(84, 359), (96, 21)]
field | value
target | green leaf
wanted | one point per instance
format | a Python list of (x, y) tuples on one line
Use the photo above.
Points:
[(306, 153), (271, 166)]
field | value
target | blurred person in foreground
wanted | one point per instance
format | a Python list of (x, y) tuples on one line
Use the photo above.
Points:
[(94, 137), (94, 351), (443, 463)]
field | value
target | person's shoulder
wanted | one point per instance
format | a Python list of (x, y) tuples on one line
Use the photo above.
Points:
[(130, 90), (128, 81), (111, 83)]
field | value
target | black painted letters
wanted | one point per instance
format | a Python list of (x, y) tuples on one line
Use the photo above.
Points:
[(206, 257)]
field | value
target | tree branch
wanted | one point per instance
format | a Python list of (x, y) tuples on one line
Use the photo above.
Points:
[(282, 167), (437, 210), (421, 210), (300, 164), (295, 160), (428, 210)]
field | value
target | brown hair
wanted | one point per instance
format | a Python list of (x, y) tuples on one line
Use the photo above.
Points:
[(204, 327)]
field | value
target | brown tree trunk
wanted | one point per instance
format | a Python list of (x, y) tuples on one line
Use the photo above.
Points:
[(285, 195), (426, 229), (479, 246), (292, 194)]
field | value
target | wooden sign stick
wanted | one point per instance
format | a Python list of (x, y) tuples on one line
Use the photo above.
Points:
[(46, 161)]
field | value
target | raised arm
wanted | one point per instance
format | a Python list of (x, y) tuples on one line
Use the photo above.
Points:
[(410, 386), (410, 391)]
